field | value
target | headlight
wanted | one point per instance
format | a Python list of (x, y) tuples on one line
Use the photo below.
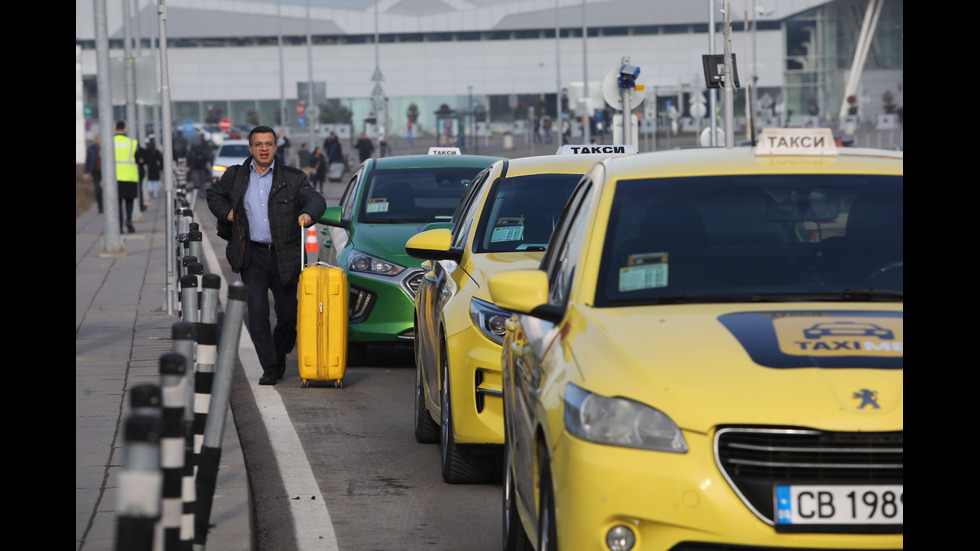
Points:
[(490, 319), (620, 422), (219, 168), (360, 262)]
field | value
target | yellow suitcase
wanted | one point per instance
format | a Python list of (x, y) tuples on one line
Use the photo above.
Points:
[(321, 324)]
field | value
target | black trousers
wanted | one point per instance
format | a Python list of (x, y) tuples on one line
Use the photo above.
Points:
[(271, 344)]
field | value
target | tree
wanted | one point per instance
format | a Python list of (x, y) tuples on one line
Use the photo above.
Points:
[(251, 117), (412, 113)]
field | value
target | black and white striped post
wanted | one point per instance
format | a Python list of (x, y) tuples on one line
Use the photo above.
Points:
[(207, 471), (173, 381), (188, 298), (140, 485), (207, 351), (195, 240), (184, 338)]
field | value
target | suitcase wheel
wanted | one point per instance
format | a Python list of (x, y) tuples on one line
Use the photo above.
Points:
[(339, 383), (306, 384)]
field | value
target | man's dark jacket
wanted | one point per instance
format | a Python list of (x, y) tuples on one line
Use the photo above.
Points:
[(291, 195)]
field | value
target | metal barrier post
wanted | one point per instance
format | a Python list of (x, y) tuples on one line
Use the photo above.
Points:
[(140, 484), (207, 472), (172, 444)]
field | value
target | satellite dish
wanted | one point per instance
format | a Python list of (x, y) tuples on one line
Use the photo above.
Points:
[(611, 91)]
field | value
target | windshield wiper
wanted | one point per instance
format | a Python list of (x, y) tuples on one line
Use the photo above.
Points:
[(847, 295)]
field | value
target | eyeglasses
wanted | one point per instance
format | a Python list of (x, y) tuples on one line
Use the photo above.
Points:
[(264, 145)]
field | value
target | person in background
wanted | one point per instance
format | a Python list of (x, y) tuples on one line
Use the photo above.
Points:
[(283, 143), (364, 146), (127, 175), (304, 157), (93, 168), (199, 160), (383, 146), (153, 161), (267, 204), (318, 165)]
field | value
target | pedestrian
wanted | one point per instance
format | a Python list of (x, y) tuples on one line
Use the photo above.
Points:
[(383, 146), (546, 127), (93, 168), (335, 158), (261, 206), (365, 148), (199, 163), (318, 164), (537, 129), (153, 160), (282, 145), (127, 175), (304, 157)]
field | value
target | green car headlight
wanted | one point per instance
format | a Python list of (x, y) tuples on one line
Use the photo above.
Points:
[(620, 422), (361, 262), (490, 319)]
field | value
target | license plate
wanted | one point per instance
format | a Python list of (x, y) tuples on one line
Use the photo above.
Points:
[(848, 505)]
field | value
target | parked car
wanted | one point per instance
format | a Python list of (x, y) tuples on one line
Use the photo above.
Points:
[(387, 201), (503, 222), (683, 369)]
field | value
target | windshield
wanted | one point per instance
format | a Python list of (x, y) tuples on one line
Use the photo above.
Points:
[(414, 195), (735, 238), (234, 151), (522, 211)]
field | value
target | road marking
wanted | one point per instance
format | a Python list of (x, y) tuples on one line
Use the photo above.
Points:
[(311, 519)]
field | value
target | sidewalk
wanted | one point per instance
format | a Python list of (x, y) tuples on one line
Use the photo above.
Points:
[(121, 329)]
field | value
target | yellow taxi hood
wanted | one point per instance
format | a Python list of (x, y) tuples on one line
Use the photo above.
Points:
[(827, 366), (482, 266)]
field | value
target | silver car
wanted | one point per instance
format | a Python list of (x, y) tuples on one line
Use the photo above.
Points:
[(231, 152)]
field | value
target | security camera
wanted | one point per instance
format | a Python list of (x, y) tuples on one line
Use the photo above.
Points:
[(628, 75), (629, 72)]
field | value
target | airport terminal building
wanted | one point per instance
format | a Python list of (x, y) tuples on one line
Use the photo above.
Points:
[(398, 65)]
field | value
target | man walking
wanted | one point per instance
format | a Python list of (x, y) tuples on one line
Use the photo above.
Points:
[(127, 175), (266, 203)]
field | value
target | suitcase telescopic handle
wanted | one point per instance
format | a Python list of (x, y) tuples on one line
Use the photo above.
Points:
[(302, 247)]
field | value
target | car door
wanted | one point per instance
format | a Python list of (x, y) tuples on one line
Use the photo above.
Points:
[(440, 283), (536, 342)]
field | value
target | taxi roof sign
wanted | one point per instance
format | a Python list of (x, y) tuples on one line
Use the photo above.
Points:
[(444, 151), (622, 149), (796, 141)]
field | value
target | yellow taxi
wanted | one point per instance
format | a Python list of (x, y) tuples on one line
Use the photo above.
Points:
[(503, 222), (697, 364)]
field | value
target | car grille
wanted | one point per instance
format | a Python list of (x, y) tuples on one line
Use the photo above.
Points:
[(412, 282), (756, 460)]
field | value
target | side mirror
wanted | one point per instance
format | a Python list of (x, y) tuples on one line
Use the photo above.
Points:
[(332, 217), (524, 292), (433, 245)]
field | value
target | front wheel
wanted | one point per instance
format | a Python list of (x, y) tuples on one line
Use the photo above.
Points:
[(426, 429), (459, 464), (515, 537), (547, 530)]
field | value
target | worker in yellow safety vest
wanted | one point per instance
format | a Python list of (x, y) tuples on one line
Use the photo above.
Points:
[(127, 175)]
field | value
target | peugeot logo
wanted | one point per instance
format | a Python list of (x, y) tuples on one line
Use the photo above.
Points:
[(868, 398)]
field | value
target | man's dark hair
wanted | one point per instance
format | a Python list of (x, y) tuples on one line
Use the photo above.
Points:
[(120, 125), (260, 130)]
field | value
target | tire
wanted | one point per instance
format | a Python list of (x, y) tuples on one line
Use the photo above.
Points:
[(515, 537), (547, 530), (459, 464), (426, 429)]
